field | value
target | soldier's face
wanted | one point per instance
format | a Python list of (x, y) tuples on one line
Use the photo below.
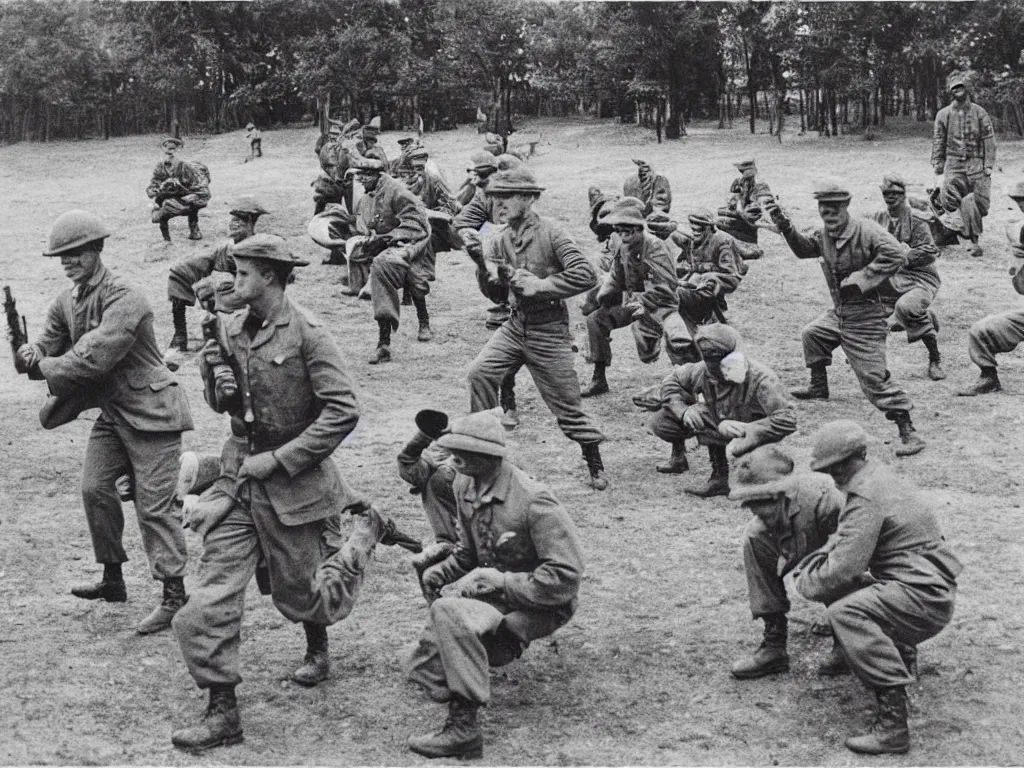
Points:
[(475, 465), (510, 208), (368, 180), (766, 510), (842, 472), (250, 283), (80, 265), (630, 236), (959, 93), (240, 227), (169, 152), (893, 199), (749, 173), (835, 217)]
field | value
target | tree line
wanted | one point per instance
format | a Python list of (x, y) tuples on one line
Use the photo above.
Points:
[(76, 69)]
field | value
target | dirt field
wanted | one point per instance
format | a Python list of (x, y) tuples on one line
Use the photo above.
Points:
[(640, 676)]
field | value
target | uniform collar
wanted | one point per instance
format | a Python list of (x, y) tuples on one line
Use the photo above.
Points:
[(529, 220), (282, 317), (846, 234), (79, 292), (497, 490)]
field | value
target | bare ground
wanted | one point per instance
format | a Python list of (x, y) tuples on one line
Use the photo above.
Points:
[(640, 676)]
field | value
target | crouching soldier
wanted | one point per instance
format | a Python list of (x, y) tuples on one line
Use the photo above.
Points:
[(794, 514), (887, 576), (514, 578), (744, 405)]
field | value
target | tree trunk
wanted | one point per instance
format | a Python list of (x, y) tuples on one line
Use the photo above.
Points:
[(803, 123)]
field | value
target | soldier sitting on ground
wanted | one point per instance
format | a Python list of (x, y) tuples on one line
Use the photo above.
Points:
[(178, 188)]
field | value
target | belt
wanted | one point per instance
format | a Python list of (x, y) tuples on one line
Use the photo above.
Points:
[(542, 312)]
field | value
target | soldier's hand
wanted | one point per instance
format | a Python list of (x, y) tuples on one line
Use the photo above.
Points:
[(210, 353), (693, 419), (481, 581), (29, 356), (259, 466), (732, 429), (432, 581), (525, 283), (849, 289), (636, 309)]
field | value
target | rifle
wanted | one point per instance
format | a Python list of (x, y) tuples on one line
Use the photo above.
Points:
[(17, 332), (228, 394)]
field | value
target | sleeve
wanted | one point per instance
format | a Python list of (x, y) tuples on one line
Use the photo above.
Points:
[(988, 139), (681, 386), (888, 256), (829, 573), (802, 246), (473, 215), (661, 291), (55, 338), (96, 353), (1018, 280), (339, 413), (412, 219), (463, 559), (194, 183), (661, 195), (577, 273), (939, 139), (413, 466), (922, 246), (492, 286), (556, 580), (779, 419), (159, 175), (727, 273)]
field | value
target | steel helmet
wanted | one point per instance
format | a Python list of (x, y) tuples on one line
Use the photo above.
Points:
[(74, 229), (835, 442)]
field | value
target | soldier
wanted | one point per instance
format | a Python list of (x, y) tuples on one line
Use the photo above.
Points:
[(187, 272), (427, 184), (741, 213), (887, 576), (651, 188), (396, 253), (178, 188), (857, 257), (964, 149), (370, 136), (514, 579), (1002, 332), (431, 477), (729, 403), (296, 405), (909, 293), (538, 268), (639, 291), (794, 514), (98, 349), (252, 133)]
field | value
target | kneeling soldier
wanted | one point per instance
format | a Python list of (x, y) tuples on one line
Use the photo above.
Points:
[(744, 405), (518, 568), (887, 576)]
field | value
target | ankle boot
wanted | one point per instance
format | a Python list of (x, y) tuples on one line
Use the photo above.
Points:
[(510, 419), (987, 382), (193, 231), (889, 733), (931, 343), (818, 389), (317, 665), (179, 340), (460, 736), (834, 664), (174, 598), (718, 483), (220, 725), (908, 435), (677, 463), (770, 657), (110, 588), (165, 231), (598, 383), (592, 455)]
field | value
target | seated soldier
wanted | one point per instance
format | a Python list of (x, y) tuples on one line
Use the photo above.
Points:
[(513, 579), (178, 188), (744, 405), (794, 514), (742, 212), (639, 291), (651, 188)]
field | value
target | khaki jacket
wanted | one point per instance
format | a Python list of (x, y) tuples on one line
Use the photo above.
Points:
[(911, 228)]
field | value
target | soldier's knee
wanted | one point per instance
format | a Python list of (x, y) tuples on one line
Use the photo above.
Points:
[(94, 493), (446, 612)]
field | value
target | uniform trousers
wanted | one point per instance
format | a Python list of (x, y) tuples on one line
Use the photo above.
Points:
[(966, 187), (184, 274), (647, 332), (115, 449), (172, 207), (995, 334), (389, 273), (672, 430), (912, 311), (546, 350), (861, 332)]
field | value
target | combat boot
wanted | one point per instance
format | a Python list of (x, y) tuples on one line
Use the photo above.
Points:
[(110, 588), (718, 483), (931, 343), (677, 463), (317, 664), (908, 435), (165, 231), (380, 355), (889, 733), (987, 382), (389, 534), (336, 256), (424, 333), (179, 340), (460, 736), (193, 231), (818, 389), (510, 419), (174, 598), (649, 398), (598, 383), (834, 664), (592, 455), (770, 657), (220, 725)]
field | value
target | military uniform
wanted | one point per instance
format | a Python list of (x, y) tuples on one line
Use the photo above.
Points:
[(651, 188), (173, 180), (740, 215), (432, 480), (911, 291), (997, 334)]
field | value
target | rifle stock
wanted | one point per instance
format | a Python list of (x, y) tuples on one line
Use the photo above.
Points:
[(17, 332)]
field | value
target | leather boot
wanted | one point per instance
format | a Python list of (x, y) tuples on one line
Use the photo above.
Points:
[(718, 483), (834, 664), (179, 340), (110, 588), (336, 256), (389, 534), (317, 664), (988, 382), (770, 657), (677, 463), (160, 619), (908, 435), (424, 333), (460, 736), (649, 398), (931, 343), (220, 725), (818, 388), (889, 733), (510, 419), (165, 231), (598, 383), (193, 231), (592, 455)]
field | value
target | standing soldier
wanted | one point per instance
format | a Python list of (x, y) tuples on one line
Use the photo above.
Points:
[(178, 188), (1000, 333), (295, 405), (741, 213), (98, 349), (538, 267), (794, 514), (909, 294), (857, 257), (651, 188), (187, 272), (397, 251), (252, 133), (639, 291), (514, 579), (964, 149), (730, 404), (887, 576)]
